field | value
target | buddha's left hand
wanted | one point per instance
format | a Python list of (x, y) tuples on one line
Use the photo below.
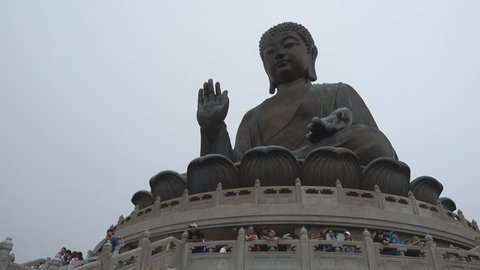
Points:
[(320, 128)]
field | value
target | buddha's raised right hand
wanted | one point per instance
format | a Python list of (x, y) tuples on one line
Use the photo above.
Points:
[(212, 106)]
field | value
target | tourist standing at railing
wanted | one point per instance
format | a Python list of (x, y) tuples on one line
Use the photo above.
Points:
[(80, 256), (332, 236), (272, 236), (393, 236), (67, 256), (113, 240), (264, 233), (316, 236), (61, 254), (379, 237), (250, 234), (348, 248), (195, 235), (416, 241), (75, 258)]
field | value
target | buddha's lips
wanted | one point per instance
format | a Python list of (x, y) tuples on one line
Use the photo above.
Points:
[(281, 63)]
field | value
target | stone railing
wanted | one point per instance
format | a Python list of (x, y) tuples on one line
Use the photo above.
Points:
[(293, 254), (298, 194)]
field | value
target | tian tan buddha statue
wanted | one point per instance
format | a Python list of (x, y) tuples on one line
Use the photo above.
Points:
[(318, 134), (300, 116)]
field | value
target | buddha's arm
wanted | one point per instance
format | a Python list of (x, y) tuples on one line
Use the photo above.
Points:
[(349, 98), (216, 142), (219, 142)]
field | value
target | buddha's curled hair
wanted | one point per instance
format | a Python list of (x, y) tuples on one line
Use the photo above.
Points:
[(287, 26)]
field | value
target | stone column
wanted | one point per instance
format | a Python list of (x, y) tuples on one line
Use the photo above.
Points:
[(185, 252), (55, 263), (6, 247), (474, 224), (156, 206), (218, 194), (256, 192), (304, 249), (240, 250), (105, 256), (414, 203), (370, 250), (340, 195), (436, 259), (146, 250), (298, 191), (378, 192)]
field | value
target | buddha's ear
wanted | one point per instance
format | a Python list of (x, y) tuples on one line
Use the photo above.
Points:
[(272, 87), (311, 73)]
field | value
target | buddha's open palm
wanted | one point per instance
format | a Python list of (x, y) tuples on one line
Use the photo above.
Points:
[(212, 104)]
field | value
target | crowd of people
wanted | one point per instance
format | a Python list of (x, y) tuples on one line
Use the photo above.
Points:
[(270, 236), (392, 238), (68, 257), (343, 236), (75, 258)]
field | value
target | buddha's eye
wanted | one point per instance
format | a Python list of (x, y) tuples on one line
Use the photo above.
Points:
[(289, 45), (268, 52)]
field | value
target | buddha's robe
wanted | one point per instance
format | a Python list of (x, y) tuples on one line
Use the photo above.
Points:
[(362, 137)]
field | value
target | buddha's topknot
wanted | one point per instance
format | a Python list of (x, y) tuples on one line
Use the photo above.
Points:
[(287, 26)]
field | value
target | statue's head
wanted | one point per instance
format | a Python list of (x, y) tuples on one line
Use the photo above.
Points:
[(288, 53)]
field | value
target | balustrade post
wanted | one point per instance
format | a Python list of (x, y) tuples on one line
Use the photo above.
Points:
[(464, 221), (370, 250), (43, 266), (218, 194), (256, 191), (298, 191), (6, 247), (304, 249), (240, 250), (119, 222), (55, 263), (156, 206), (414, 203), (134, 214), (106, 256), (378, 192), (475, 225), (183, 257), (184, 200), (144, 243), (340, 195), (442, 210), (435, 258)]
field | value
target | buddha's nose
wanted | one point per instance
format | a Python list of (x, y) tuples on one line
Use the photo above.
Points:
[(280, 54)]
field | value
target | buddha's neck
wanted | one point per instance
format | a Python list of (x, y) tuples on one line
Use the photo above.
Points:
[(296, 87)]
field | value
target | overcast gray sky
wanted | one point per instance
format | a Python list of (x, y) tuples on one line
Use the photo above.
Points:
[(98, 96)]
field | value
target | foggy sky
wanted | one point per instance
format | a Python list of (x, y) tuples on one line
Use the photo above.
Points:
[(96, 97)]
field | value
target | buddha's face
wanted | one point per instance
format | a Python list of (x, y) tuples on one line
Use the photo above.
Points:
[(285, 57)]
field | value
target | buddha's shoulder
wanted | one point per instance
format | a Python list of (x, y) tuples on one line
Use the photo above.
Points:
[(331, 87)]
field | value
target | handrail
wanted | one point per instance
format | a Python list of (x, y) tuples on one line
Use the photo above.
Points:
[(300, 195)]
